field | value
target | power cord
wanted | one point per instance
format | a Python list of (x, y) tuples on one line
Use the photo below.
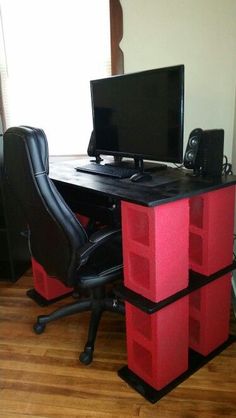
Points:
[(226, 167), (178, 166)]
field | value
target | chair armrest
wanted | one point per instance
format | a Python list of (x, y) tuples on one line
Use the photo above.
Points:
[(96, 240)]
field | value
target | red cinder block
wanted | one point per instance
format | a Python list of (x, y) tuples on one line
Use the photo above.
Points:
[(47, 286), (157, 344), (209, 312), (211, 230), (155, 248)]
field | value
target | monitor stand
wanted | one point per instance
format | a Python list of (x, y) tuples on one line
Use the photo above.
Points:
[(97, 160), (148, 165), (137, 163)]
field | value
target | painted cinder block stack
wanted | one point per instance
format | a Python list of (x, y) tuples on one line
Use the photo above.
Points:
[(160, 245), (156, 267), (211, 250)]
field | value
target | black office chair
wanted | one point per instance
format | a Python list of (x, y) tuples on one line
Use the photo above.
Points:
[(56, 238)]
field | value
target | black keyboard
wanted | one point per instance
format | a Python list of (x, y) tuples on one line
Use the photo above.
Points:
[(107, 170)]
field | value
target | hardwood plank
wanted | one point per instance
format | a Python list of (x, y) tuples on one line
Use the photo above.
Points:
[(41, 376)]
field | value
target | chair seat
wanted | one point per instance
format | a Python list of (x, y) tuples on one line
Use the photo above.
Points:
[(90, 279), (105, 265)]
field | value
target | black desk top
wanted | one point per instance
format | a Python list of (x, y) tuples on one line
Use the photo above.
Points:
[(166, 185)]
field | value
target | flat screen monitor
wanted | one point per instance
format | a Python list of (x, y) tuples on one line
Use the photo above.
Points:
[(140, 115)]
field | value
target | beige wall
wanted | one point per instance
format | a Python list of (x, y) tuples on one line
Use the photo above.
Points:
[(234, 138), (201, 34)]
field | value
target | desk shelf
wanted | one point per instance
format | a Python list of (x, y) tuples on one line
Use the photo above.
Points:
[(196, 281), (14, 253)]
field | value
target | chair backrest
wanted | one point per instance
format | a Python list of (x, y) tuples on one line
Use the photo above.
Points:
[(55, 234)]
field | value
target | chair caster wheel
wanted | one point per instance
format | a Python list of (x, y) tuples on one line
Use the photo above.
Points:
[(86, 356), (39, 328)]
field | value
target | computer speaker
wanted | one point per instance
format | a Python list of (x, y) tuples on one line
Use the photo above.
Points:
[(192, 149), (204, 152)]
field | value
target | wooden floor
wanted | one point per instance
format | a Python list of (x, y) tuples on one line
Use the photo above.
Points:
[(41, 376)]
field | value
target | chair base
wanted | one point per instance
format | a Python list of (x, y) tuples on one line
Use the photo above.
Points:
[(86, 356), (97, 305)]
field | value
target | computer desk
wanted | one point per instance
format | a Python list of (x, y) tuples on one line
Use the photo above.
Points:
[(150, 193), (177, 233)]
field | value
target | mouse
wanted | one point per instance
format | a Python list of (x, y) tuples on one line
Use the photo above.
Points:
[(138, 177)]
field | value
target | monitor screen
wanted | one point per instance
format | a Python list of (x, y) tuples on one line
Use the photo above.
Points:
[(140, 115)]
